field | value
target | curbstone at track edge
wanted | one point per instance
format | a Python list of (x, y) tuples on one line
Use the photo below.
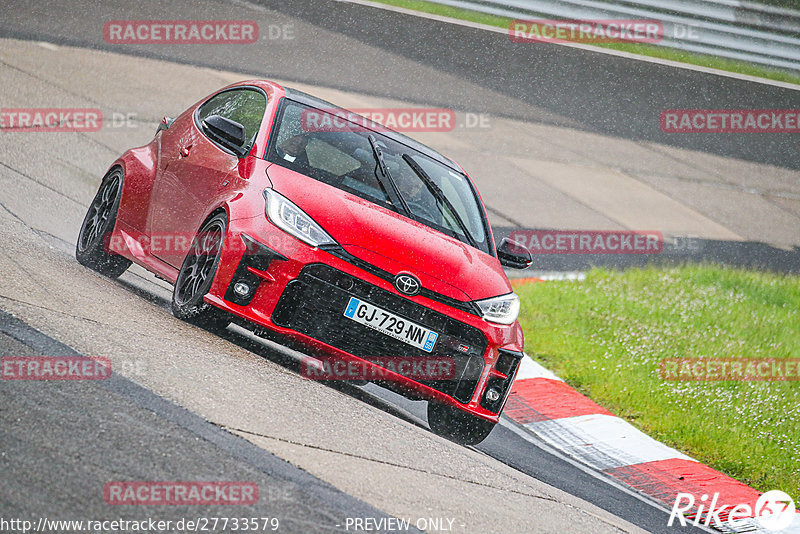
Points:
[(572, 423)]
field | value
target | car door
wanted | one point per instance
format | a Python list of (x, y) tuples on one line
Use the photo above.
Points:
[(195, 172)]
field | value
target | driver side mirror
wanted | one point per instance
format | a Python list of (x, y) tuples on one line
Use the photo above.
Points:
[(230, 134), (513, 255)]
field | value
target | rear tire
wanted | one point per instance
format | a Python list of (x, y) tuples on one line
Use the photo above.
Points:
[(457, 425), (97, 225), (197, 275)]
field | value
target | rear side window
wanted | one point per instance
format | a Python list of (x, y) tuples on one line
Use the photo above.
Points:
[(245, 106)]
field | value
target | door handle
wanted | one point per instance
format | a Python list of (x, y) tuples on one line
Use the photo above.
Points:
[(185, 150)]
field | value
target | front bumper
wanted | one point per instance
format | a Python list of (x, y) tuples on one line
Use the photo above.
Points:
[(301, 292)]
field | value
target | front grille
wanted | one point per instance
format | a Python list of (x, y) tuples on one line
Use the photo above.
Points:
[(339, 251), (314, 305)]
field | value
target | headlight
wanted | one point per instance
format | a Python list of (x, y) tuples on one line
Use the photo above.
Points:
[(284, 214), (503, 309)]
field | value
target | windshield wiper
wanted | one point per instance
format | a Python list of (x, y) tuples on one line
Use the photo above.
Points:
[(440, 197), (395, 196)]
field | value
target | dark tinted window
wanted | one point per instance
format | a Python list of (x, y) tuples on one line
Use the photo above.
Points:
[(245, 106)]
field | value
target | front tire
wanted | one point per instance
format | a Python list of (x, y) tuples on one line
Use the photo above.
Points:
[(457, 425), (99, 222), (197, 275)]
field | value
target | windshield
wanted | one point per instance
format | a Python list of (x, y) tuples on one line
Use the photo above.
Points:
[(334, 150)]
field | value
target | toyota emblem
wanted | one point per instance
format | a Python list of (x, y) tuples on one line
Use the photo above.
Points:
[(407, 284)]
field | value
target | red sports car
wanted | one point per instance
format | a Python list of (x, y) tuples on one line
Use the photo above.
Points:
[(269, 207)]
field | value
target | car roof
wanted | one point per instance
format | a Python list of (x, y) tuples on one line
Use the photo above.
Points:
[(315, 102)]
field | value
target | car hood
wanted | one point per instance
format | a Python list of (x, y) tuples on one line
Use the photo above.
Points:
[(393, 242)]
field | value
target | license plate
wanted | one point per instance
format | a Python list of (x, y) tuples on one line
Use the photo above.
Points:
[(390, 324)]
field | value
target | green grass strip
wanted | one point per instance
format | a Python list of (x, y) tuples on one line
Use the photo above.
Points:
[(607, 335)]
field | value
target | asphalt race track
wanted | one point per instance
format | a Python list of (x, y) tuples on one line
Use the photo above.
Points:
[(118, 430), (571, 134)]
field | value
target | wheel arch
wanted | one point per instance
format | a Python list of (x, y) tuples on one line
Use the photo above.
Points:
[(139, 171), (223, 208)]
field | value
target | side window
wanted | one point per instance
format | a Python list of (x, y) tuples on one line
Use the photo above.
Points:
[(245, 106), (291, 124)]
